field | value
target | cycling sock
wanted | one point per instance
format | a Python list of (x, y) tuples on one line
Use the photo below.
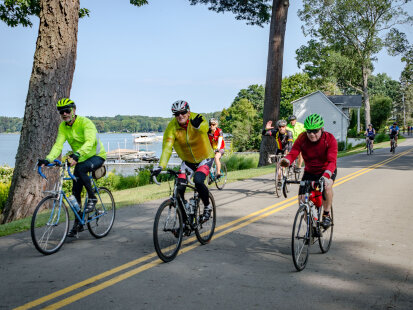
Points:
[(208, 207)]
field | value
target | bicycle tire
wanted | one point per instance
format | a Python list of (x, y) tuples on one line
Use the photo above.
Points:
[(50, 225), (101, 220), (222, 180), (205, 231), (167, 231), (278, 181), (368, 148), (326, 235), (301, 238)]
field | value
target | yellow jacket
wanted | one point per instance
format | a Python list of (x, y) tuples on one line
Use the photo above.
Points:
[(191, 144)]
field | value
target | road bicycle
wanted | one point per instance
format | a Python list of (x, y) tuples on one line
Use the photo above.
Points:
[(393, 144), (369, 149), (221, 180), (284, 173), (50, 221), (176, 218), (307, 227)]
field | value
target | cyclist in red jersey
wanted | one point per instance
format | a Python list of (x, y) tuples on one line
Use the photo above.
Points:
[(216, 138), (319, 150)]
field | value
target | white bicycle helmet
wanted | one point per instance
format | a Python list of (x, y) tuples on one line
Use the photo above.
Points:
[(213, 121), (281, 123), (180, 106)]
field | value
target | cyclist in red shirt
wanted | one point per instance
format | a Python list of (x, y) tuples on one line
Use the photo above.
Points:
[(319, 150), (216, 137)]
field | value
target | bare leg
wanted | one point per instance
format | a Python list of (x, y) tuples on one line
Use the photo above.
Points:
[(299, 160), (218, 162)]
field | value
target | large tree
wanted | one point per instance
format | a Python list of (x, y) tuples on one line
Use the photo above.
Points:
[(257, 12), (51, 79), (348, 34)]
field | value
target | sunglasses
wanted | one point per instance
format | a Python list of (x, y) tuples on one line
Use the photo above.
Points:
[(213, 124), (180, 113), (314, 131), (67, 111)]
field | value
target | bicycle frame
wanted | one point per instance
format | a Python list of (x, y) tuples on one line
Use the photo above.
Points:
[(60, 194)]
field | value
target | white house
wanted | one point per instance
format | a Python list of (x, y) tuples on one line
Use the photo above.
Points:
[(335, 120)]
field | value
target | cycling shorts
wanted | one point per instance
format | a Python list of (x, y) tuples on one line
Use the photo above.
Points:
[(313, 177), (371, 137)]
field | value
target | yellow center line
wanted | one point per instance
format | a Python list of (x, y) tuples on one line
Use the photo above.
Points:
[(253, 217)]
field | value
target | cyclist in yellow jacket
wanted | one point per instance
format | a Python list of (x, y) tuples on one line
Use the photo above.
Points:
[(296, 128), (187, 134), (88, 153)]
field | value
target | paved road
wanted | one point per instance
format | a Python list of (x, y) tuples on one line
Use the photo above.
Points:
[(248, 263)]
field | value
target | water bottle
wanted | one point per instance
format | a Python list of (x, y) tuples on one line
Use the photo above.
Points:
[(74, 203), (187, 206), (314, 213), (191, 204), (317, 198)]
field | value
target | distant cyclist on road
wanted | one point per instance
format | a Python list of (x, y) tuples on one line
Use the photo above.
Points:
[(216, 138), (394, 132), (319, 149), (296, 128), (370, 133), (187, 133), (283, 137), (88, 153)]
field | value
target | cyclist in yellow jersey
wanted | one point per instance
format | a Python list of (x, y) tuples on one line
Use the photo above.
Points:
[(187, 134), (296, 128), (88, 153)]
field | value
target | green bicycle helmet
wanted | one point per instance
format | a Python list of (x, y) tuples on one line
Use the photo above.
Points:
[(313, 121), (65, 103)]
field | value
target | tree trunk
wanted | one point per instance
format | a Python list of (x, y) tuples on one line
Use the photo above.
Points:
[(274, 74), (51, 79), (366, 73)]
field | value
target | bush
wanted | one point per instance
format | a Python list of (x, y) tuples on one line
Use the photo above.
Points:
[(4, 192), (241, 162), (341, 145)]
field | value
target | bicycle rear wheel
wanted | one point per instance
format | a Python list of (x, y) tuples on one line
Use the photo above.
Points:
[(222, 179), (301, 238), (326, 235), (205, 231), (50, 224), (368, 148), (101, 220), (167, 231)]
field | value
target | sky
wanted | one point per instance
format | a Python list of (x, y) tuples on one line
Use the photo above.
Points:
[(139, 60)]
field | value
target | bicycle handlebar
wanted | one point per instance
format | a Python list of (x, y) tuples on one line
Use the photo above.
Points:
[(306, 183), (169, 171), (56, 163)]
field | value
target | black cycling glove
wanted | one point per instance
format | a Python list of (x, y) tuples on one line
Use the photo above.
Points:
[(156, 170), (42, 162), (75, 156), (196, 122)]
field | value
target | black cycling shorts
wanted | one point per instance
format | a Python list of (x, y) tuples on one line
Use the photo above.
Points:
[(313, 177)]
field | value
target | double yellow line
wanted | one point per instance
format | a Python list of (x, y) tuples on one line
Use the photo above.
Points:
[(219, 232)]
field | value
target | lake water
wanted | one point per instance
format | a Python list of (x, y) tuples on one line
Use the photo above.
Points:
[(111, 141)]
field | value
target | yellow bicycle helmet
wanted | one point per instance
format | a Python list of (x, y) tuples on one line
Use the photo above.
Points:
[(65, 103)]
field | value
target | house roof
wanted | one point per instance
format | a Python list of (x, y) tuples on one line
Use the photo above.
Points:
[(326, 100), (353, 101)]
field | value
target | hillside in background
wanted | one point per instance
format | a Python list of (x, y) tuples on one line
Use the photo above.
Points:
[(119, 123)]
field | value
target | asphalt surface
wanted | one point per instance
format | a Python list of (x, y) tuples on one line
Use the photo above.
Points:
[(248, 263)]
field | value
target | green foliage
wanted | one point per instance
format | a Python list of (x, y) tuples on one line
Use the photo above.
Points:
[(240, 162), (242, 122), (342, 145), (254, 94), (19, 12), (380, 110), (256, 12), (10, 124), (6, 174)]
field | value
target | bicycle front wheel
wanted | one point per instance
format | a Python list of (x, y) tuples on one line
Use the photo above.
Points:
[(168, 231), (101, 220), (326, 235), (222, 179), (50, 224), (278, 180), (301, 238), (205, 230)]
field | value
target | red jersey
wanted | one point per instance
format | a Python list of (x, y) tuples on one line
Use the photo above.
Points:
[(320, 157), (214, 136)]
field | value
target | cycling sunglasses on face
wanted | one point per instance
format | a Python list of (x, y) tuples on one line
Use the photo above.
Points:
[(180, 113), (67, 111), (314, 131)]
